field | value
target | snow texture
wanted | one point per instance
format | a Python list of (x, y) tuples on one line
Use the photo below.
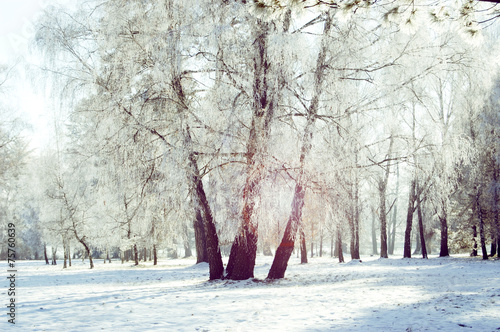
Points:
[(439, 294)]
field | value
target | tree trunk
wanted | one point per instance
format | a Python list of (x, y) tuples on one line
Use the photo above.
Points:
[(65, 254), (474, 239), (285, 248), (496, 213), (155, 257), (392, 234), (303, 248), (409, 220), (243, 252), (382, 187), (87, 250), (443, 219), (69, 254), (353, 218), (200, 238), (136, 255), (480, 215), (339, 246), (216, 267), (54, 253), (45, 254), (444, 236), (421, 226)]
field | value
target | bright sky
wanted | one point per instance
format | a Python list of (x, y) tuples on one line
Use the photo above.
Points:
[(16, 31)]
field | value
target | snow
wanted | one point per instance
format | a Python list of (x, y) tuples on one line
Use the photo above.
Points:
[(446, 294)]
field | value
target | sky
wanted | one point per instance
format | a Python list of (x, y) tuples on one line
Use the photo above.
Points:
[(22, 99)]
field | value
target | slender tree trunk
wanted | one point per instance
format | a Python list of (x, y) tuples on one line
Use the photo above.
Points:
[(136, 255), (303, 248), (155, 257), (480, 215), (65, 254), (354, 217), (392, 234), (69, 253), (285, 248), (45, 254), (216, 267), (421, 226), (339, 246), (382, 187), (496, 212), (474, 239), (443, 219), (87, 250), (409, 220)]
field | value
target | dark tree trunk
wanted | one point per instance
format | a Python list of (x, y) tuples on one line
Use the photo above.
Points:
[(480, 215), (285, 248), (444, 236), (155, 258), (200, 238), (69, 253), (287, 244), (496, 215), (45, 254), (382, 187), (409, 220), (353, 218), (242, 257), (303, 248), (65, 254), (87, 251), (136, 255), (216, 267), (474, 239), (421, 227), (339, 246), (493, 248)]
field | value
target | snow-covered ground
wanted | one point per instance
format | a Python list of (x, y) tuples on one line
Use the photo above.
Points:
[(446, 294)]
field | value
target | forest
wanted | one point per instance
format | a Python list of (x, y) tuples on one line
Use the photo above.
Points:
[(227, 130)]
